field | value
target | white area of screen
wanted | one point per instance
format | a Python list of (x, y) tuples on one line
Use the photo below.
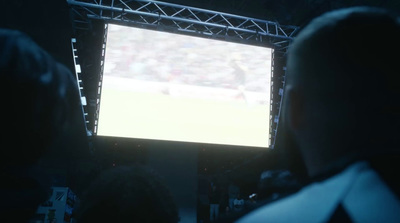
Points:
[(164, 86)]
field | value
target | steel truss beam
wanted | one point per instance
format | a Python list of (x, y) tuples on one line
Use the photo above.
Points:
[(182, 18)]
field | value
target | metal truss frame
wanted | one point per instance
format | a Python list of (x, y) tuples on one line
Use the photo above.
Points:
[(78, 74), (189, 20), (182, 18)]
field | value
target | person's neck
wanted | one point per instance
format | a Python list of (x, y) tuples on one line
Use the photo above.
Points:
[(324, 170)]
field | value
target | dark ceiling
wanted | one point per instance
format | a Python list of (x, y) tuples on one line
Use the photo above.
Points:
[(48, 21)]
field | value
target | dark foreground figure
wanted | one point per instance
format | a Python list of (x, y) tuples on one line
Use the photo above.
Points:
[(128, 194), (341, 113), (40, 106)]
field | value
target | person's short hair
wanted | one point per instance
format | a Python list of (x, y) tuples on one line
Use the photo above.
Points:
[(345, 64), (345, 61), (350, 51), (127, 194), (36, 93)]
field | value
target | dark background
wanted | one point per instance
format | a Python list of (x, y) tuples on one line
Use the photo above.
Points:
[(48, 23)]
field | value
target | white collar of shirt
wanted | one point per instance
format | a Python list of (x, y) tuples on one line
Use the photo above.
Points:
[(359, 188)]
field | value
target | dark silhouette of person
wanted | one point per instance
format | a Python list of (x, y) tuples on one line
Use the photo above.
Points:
[(238, 203), (233, 192), (341, 112), (39, 96), (215, 196), (275, 184), (127, 194)]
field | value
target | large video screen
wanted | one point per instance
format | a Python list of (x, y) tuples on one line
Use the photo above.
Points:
[(166, 86)]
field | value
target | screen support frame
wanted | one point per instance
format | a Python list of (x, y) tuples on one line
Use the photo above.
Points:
[(178, 18)]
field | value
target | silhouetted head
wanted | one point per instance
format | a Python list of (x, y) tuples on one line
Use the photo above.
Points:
[(342, 89), (35, 93), (37, 96), (128, 194)]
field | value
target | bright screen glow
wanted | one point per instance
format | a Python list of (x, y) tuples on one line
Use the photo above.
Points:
[(164, 86)]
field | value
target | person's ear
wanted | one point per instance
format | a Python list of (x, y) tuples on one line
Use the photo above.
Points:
[(295, 108)]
